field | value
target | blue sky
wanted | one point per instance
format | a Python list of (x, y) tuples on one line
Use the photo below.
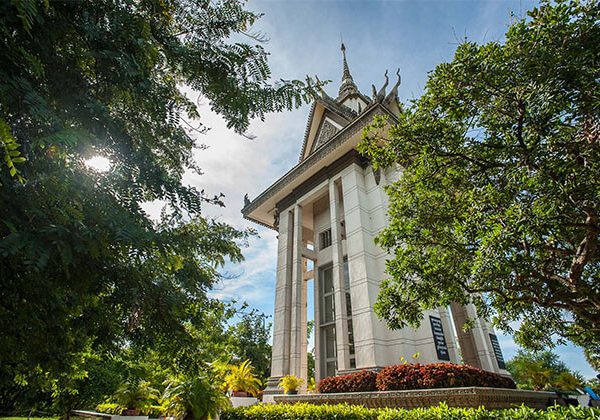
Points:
[(304, 39)]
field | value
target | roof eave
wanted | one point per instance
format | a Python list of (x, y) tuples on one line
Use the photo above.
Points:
[(271, 190)]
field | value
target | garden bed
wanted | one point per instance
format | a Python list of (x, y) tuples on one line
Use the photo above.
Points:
[(490, 398)]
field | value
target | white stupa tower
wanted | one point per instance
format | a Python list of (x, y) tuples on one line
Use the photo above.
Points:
[(327, 210)]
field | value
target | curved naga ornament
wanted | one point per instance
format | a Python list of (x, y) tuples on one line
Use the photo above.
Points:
[(380, 96)]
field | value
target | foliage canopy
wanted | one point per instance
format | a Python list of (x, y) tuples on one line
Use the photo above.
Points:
[(82, 265), (499, 200), (249, 340), (542, 370)]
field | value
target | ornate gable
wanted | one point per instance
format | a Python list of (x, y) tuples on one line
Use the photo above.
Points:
[(326, 131), (328, 115), (326, 118)]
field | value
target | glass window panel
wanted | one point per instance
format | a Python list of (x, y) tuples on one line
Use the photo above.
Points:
[(346, 275), (347, 288), (330, 368), (328, 309), (330, 342), (325, 238), (348, 305), (351, 336), (327, 274)]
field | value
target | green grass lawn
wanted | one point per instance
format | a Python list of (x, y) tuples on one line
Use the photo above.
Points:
[(30, 418), (41, 418)]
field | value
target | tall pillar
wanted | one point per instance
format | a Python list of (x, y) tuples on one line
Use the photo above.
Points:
[(449, 335), (482, 341), (465, 338), (341, 318), (304, 329), (317, 320), (280, 356), (364, 280), (298, 342), (474, 344)]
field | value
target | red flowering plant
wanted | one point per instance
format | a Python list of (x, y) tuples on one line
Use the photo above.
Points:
[(415, 376), (363, 381), (438, 375)]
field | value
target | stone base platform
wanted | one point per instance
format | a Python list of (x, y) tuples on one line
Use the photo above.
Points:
[(490, 398)]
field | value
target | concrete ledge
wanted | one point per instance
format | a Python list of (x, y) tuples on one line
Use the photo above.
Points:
[(490, 398), (242, 401), (105, 416)]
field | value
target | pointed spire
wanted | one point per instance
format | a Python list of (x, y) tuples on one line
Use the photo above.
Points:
[(346, 74), (348, 86)]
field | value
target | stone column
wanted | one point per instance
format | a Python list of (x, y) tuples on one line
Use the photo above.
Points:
[(482, 341), (449, 335), (341, 319), (304, 331), (298, 304), (364, 282), (487, 331), (317, 326), (475, 345), (465, 338), (280, 356)]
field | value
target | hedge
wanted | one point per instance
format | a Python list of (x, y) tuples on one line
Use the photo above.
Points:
[(355, 382), (155, 411), (414, 376), (354, 412), (438, 375)]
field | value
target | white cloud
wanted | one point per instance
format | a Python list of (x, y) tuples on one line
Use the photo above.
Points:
[(254, 279)]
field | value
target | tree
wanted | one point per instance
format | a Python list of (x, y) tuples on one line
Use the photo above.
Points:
[(500, 194), (592, 355), (542, 370), (82, 265), (249, 339), (310, 355)]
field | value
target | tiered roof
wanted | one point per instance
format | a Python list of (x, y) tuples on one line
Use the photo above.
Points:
[(333, 129)]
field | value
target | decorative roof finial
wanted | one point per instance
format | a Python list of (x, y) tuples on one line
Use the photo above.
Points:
[(347, 87), (346, 74)]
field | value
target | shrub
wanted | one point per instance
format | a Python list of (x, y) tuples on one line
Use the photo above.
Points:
[(414, 376), (355, 382), (438, 375), (155, 411), (110, 408), (135, 395), (349, 412), (242, 378), (196, 396), (290, 383), (298, 411)]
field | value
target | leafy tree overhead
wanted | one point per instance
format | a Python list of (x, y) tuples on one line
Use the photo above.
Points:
[(81, 263), (500, 195), (592, 355)]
